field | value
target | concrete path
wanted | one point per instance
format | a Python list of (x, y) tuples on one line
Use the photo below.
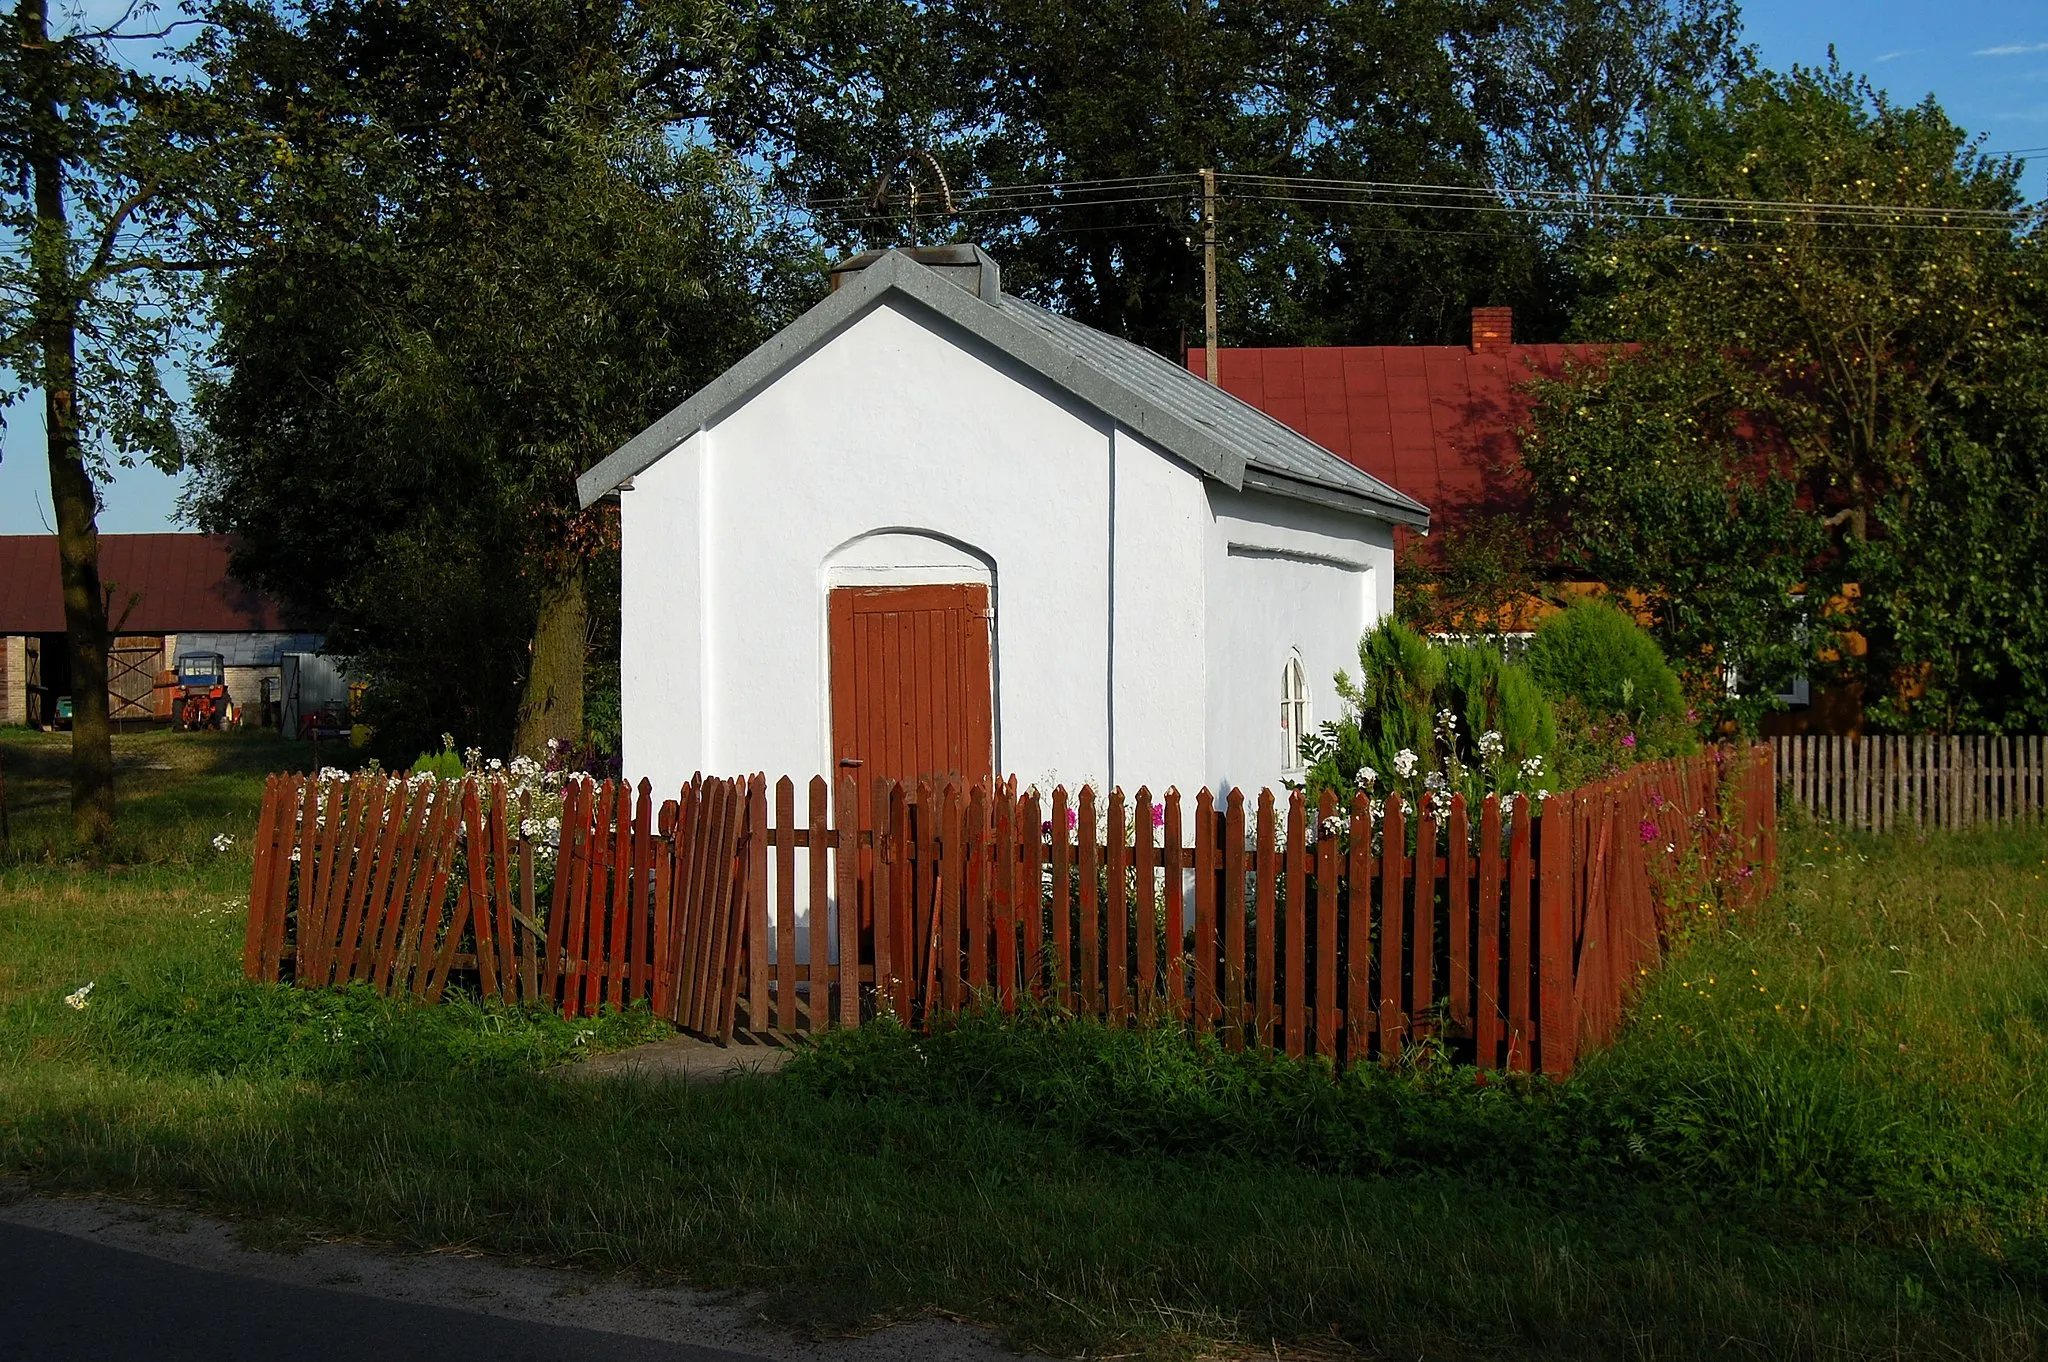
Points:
[(123, 1283)]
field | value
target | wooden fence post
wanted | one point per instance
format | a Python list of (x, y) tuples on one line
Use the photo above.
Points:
[(1393, 862), (847, 818), (1358, 1007), (1557, 1024)]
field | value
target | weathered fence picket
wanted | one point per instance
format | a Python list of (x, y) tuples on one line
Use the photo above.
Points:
[(1889, 781)]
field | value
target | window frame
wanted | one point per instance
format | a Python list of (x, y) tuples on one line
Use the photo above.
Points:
[(1297, 713)]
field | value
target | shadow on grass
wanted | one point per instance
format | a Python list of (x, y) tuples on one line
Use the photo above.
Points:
[(848, 1214), (173, 791)]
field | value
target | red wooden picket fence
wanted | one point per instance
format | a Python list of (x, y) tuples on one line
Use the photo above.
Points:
[(401, 883), (1342, 931)]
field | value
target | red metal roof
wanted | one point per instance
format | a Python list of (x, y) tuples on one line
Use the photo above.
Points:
[(181, 580), (1438, 422)]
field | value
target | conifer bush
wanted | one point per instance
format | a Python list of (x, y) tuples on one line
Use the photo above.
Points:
[(1595, 654)]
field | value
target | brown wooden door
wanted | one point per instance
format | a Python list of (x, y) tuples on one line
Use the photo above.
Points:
[(911, 684), (132, 665)]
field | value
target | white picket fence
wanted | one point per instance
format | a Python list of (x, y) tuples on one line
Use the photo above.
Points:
[(1915, 781)]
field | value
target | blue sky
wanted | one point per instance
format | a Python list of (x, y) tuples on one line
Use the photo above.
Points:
[(1985, 60)]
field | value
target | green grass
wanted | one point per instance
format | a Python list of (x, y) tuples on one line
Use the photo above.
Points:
[(1731, 1180), (173, 791)]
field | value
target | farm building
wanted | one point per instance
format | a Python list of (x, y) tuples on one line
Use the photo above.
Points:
[(930, 528), (168, 595)]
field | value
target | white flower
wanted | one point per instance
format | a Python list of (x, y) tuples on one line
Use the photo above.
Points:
[(1507, 805), (1446, 723), (1433, 781), (447, 742), (1404, 763), (1543, 794), (1532, 769), (223, 842), (1331, 827), (77, 1001), (1367, 777), (1492, 744)]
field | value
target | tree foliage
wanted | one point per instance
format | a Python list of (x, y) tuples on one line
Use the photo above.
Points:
[(867, 108), (105, 172), (1827, 401), (476, 264)]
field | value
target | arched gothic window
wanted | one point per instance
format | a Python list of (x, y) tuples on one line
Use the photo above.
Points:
[(1294, 714)]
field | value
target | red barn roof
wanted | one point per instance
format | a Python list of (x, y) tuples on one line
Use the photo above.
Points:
[(1438, 422), (180, 582)]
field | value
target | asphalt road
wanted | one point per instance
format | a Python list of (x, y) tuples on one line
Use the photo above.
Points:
[(62, 1297)]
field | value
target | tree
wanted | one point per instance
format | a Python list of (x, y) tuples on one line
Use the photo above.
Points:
[(476, 266), (1813, 379), (989, 94), (1570, 89), (103, 174)]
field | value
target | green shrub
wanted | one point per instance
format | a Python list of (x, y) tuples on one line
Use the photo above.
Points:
[(1595, 654), (1470, 718), (1492, 694), (446, 763)]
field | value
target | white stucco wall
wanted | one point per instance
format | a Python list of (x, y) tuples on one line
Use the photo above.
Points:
[(1284, 577), (899, 450), (1142, 614), (662, 696), (1161, 515)]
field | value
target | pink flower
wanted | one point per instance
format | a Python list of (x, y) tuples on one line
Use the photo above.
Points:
[(1158, 815), (1628, 740), (1648, 831)]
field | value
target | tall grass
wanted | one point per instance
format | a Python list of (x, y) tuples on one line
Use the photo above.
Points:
[(1877, 1036)]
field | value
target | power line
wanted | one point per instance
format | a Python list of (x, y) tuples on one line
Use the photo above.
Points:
[(1034, 198), (1650, 202)]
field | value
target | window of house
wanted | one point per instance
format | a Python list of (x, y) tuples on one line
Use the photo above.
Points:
[(1294, 715)]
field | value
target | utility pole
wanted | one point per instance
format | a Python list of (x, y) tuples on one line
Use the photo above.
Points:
[(1209, 271)]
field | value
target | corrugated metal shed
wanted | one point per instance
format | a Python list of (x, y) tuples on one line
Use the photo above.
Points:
[(181, 580), (247, 649), (1437, 422)]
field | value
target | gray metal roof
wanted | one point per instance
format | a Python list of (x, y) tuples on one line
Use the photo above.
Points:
[(1160, 401)]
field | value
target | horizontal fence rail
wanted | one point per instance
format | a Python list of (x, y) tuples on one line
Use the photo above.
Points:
[(1884, 782), (1343, 931)]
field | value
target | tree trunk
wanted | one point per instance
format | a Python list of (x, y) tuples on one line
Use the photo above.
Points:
[(71, 489), (553, 704)]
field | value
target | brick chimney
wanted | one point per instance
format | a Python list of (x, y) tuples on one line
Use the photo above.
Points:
[(1493, 329)]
